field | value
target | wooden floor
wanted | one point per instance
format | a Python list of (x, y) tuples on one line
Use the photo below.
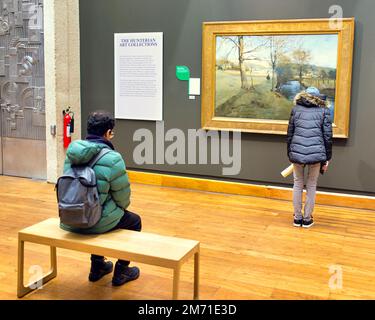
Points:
[(249, 249)]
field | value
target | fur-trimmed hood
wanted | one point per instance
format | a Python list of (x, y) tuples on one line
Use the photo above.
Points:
[(307, 100)]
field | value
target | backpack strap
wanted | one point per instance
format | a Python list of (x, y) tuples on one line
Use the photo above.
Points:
[(94, 160)]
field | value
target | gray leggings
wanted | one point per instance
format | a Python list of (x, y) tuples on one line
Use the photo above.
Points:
[(311, 183)]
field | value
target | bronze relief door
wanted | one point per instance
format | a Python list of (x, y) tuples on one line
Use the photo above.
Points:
[(22, 99)]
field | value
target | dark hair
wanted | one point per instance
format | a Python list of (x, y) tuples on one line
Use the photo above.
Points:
[(99, 122)]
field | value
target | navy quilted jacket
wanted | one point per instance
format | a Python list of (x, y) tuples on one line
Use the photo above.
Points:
[(309, 137)]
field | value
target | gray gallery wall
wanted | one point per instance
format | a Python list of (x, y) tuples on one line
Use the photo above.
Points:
[(263, 156)]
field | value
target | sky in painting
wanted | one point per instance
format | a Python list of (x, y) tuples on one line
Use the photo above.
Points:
[(323, 48)]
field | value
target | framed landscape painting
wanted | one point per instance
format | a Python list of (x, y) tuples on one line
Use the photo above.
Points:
[(253, 70)]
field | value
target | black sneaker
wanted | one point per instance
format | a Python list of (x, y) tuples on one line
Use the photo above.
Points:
[(297, 223), (124, 274), (99, 268), (308, 224)]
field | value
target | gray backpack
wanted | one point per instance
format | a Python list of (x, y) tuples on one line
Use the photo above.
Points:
[(78, 197)]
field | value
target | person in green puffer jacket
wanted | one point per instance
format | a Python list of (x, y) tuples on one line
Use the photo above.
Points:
[(114, 192)]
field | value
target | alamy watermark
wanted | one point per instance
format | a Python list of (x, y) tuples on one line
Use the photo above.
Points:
[(336, 279), (36, 277), (182, 149), (335, 21)]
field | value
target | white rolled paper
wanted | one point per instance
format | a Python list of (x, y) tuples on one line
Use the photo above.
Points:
[(288, 171)]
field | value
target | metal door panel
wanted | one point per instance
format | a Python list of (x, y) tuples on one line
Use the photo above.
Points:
[(22, 97), (24, 158), (1, 156), (1, 143)]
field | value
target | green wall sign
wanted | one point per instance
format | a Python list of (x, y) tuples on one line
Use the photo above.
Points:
[(182, 73)]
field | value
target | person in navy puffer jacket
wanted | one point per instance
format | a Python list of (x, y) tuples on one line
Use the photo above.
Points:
[(309, 143)]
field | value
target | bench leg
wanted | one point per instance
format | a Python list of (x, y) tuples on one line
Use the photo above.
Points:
[(21, 289), (176, 282), (196, 276)]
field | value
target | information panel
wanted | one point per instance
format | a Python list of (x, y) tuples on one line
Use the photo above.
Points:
[(139, 76)]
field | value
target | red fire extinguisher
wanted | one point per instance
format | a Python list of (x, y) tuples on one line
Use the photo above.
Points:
[(68, 127)]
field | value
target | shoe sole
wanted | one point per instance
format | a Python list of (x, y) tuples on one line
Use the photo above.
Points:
[(297, 225), (122, 283), (308, 226), (97, 279)]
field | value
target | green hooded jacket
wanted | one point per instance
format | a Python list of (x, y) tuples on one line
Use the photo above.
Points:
[(112, 180)]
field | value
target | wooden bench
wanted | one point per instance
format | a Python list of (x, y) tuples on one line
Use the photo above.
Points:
[(168, 252)]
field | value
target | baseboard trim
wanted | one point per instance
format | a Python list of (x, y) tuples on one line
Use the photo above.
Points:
[(263, 191)]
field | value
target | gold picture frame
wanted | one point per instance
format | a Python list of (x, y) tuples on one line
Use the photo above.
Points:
[(213, 32)]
